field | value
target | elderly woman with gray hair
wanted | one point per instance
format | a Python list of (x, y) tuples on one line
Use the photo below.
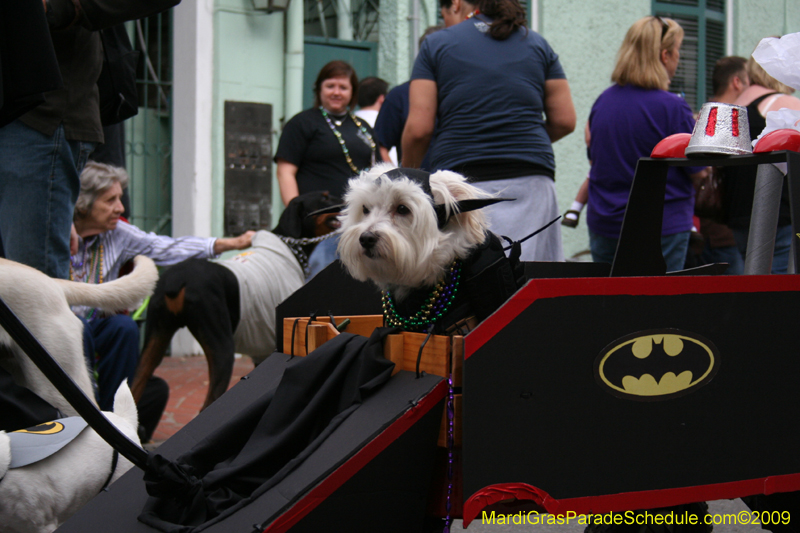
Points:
[(104, 244)]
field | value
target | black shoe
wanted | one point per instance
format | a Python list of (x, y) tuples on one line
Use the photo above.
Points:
[(571, 218)]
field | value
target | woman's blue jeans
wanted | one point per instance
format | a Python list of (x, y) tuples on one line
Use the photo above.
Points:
[(673, 248)]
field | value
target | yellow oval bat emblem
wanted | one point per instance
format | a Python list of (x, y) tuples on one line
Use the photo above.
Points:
[(48, 428), (656, 364)]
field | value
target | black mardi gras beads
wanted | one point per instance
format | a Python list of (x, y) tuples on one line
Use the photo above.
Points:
[(437, 304)]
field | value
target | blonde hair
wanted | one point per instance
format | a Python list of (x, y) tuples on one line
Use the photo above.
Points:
[(759, 76), (639, 57), (96, 178)]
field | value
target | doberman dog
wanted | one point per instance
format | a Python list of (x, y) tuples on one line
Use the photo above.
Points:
[(229, 306)]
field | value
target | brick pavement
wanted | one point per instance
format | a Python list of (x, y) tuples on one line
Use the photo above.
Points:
[(188, 384)]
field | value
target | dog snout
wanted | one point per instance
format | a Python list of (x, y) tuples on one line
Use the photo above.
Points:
[(368, 240)]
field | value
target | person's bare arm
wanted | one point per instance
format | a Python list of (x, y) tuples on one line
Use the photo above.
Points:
[(559, 111), (385, 154), (287, 181), (422, 106), (787, 101), (245, 240)]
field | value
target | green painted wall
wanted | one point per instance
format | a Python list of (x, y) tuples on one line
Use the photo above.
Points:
[(248, 67), (586, 35), (756, 19), (395, 49)]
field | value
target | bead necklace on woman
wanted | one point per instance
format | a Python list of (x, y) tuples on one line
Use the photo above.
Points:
[(321, 148)]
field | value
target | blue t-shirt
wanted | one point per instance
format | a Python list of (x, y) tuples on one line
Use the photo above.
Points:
[(391, 121), (490, 94), (626, 123), (392, 118)]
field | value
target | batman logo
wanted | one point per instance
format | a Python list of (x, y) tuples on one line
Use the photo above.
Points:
[(656, 364), (48, 428)]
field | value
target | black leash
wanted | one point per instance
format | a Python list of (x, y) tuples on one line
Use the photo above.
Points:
[(422, 347), (75, 396), (529, 236)]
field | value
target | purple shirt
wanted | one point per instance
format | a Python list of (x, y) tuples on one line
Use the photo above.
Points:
[(626, 123)]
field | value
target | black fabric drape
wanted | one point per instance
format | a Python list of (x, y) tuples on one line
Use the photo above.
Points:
[(259, 445)]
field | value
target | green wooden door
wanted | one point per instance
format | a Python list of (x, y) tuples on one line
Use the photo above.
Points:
[(363, 56)]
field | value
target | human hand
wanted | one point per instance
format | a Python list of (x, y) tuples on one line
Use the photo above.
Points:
[(73, 241), (245, 240)]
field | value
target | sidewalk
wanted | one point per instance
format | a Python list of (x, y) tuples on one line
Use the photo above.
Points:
[(188, 384)]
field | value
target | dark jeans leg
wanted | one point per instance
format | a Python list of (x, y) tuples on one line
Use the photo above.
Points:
[(116, 347), (39, 183)]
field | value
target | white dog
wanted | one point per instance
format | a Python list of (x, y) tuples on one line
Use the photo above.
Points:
[(38, 497), (390, 230), (419, 237), (41, 495), (43, 305)]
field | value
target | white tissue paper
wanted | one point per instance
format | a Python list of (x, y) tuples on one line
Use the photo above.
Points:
[(781, 58), (782, 119)]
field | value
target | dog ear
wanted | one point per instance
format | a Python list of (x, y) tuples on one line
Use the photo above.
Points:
[(290, 224), (125, 406), (450, 188)]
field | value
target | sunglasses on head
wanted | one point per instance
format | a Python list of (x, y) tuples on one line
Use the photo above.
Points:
[(664, 26)]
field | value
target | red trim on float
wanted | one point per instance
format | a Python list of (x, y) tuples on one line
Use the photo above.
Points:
[(625, 501), (538, 289), (351, 466)]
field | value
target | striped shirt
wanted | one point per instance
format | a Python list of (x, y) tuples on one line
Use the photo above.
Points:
[(124, 243)]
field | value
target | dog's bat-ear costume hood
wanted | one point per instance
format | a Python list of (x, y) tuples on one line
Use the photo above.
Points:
[(423, 179)]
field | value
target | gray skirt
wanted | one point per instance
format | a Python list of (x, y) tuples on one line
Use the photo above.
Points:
[(535, 206)]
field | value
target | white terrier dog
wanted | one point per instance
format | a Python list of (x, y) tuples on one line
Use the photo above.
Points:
[(40, 496), (410, 231), (43, 305), (390, 231)]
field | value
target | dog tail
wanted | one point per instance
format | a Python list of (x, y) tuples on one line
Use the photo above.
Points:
[(122, 293)]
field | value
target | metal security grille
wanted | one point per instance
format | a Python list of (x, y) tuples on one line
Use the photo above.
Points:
[(321, 18), (703, 22), (149, 134)]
